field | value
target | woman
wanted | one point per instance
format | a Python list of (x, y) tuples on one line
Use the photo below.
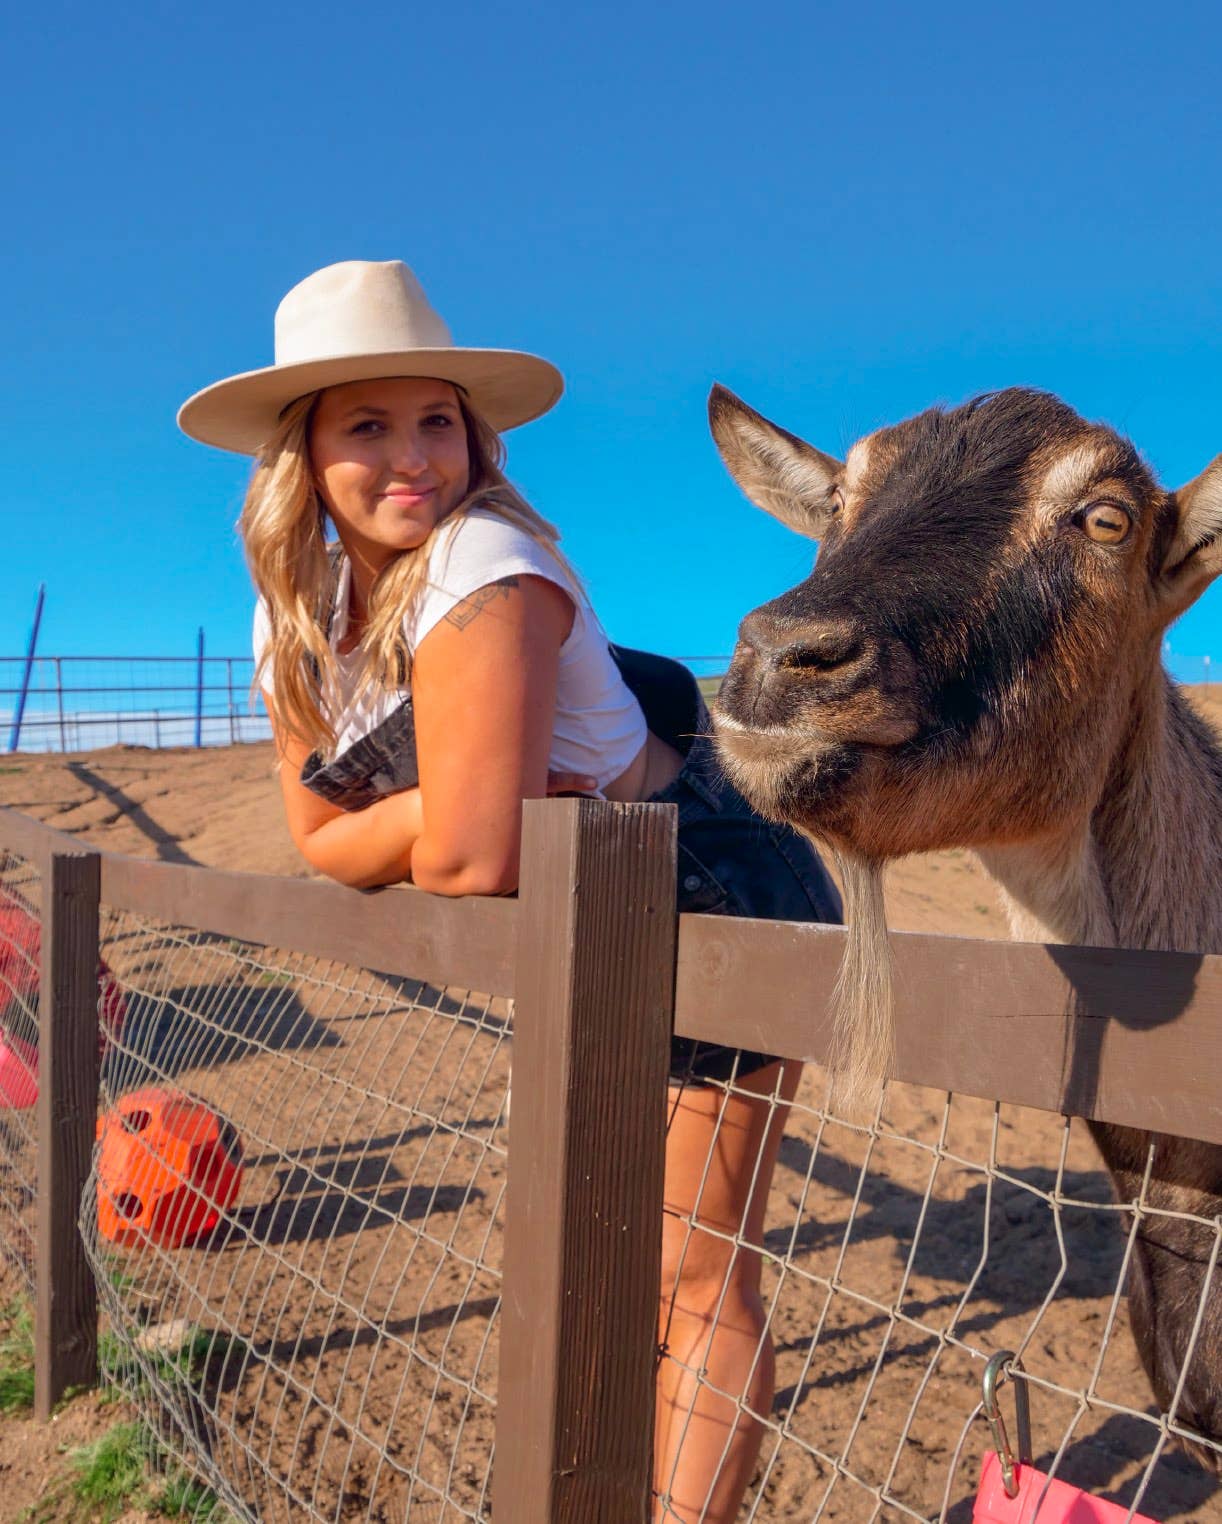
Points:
[(439, 665)]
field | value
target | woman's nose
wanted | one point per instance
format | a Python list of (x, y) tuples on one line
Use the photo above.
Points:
[(408, 454)]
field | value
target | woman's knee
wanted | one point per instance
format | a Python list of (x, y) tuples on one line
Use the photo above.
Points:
[(706, 1270)]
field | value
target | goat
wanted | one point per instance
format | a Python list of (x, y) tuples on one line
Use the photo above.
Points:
[(974, 661)]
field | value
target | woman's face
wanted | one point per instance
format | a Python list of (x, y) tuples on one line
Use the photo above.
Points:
[(390, 460)]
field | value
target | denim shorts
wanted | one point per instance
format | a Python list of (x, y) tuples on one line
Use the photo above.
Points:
[(734, 862), (731, 860)]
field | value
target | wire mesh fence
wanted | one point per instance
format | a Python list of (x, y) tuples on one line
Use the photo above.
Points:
[(19, 976), (297, 1237), (79, 703), (896, 1258)]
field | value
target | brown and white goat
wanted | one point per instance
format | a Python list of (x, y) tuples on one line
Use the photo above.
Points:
[(975, 661)]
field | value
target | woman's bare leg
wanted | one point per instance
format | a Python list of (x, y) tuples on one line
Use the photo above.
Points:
[(720, 1153)]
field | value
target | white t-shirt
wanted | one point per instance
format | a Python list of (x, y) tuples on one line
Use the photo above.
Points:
[(599, 726)]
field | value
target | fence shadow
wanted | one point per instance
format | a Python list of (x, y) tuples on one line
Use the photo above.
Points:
[(168, 850), (207, 1025), (952, 1231), (949, 1250), (356, 1193)]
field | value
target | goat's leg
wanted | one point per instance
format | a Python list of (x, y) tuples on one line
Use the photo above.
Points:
[(1167, 1280)]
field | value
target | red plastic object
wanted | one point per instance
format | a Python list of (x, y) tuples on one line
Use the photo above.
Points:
[(1056, 1501), (20, 963), (168, 1166)]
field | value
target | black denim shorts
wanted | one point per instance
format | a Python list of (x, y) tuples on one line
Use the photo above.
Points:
[(731, 860), (734, 862), (380, 763)]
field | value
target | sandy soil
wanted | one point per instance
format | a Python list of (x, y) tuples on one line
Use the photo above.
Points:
[(341, 1321)]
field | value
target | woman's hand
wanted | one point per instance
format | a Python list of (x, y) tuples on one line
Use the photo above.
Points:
[(361, 848), (570, 783)]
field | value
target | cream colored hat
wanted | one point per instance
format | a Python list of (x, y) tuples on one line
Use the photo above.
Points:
[(358, 321)]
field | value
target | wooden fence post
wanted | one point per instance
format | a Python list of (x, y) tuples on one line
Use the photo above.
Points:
[(594, 1001), (66, 1318)]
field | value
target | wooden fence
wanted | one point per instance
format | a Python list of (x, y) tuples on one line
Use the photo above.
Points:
[(600, 968)]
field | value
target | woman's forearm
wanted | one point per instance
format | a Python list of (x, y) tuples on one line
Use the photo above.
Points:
[(364, 848)]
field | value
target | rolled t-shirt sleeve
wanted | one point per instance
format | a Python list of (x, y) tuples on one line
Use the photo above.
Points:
[(480, 549)]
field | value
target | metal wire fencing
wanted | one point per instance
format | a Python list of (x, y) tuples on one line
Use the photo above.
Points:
[(296, 1242), (19, 976), (896, 1257), (79, 703)]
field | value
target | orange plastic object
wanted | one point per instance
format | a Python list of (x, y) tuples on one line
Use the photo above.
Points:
[(20, 961), (168, 1166), (1056, 1501)]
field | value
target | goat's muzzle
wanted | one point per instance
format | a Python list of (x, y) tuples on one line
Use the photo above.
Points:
[(826, 679)]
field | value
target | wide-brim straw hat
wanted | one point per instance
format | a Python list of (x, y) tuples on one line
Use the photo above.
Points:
[(360, 321)]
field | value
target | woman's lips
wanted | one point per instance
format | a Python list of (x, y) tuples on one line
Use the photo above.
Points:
[(408, 495)]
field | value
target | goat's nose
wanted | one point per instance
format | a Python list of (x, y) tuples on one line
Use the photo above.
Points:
[(822, 648), (818, 646)]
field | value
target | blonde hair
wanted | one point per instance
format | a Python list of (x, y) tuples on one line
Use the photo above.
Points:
[(283, 528)]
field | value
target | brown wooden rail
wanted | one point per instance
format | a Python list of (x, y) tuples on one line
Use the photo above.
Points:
[(468, 943), (1109, 1034), (398, 930), (1104, 1033)]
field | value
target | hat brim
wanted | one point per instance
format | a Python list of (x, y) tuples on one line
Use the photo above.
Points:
[(506, 386)]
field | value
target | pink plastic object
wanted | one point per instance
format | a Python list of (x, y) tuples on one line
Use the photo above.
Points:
[(1057, 1502), (18, 1072), (20, 956)]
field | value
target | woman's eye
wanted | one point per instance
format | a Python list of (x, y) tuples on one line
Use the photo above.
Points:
[(1106, 523), (439, 420), (367, 426)]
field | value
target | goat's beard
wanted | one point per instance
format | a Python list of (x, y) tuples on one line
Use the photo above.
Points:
[(863, 1000)]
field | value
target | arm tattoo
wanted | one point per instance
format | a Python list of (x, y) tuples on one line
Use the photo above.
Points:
[(463, 612)]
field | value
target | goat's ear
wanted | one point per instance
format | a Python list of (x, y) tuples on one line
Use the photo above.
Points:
[(1194, 557), (779, 472)]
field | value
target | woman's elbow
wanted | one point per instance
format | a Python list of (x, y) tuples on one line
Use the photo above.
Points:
[(340, 867), (459, 876)]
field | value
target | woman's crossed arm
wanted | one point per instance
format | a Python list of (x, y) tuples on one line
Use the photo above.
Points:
[(484, 699)]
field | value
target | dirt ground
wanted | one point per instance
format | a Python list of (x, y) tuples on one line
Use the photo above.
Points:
[(344, 1312)]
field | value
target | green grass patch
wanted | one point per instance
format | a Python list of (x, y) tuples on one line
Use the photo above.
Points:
[(111, 1473), (129, 1466), (183, 1497), (17, 1359)]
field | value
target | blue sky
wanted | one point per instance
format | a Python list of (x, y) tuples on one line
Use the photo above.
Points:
[(843, 212)]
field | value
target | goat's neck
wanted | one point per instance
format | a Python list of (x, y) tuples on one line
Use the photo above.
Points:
[(1053, 889), (1144, 869)]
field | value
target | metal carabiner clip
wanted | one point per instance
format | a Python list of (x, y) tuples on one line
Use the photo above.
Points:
[(1006, 1363)]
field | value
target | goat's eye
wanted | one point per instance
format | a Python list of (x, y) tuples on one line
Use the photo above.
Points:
[(1106, 523), (835, 502)]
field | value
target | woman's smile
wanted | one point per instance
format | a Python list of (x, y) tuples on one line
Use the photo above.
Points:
[(407, 494)]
